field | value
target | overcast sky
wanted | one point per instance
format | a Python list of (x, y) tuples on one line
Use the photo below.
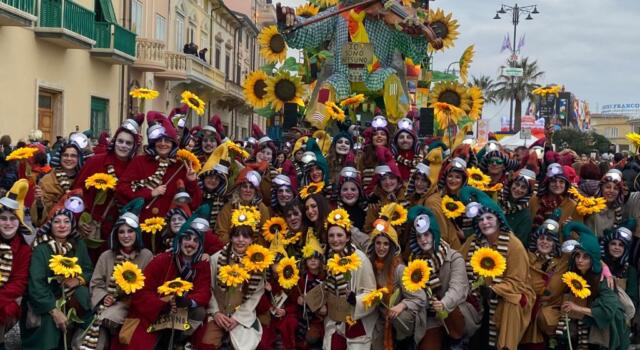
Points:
[(590, 46)]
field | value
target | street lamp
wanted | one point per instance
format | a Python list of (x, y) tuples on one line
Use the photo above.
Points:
[(516, 11)]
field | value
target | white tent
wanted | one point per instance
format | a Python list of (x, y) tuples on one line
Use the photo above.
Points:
[(513, 141)]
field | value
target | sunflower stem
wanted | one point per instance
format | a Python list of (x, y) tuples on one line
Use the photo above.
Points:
[(64, 311), (567, 324)]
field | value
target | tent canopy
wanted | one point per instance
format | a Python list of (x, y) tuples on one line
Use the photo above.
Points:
[(513, 141)]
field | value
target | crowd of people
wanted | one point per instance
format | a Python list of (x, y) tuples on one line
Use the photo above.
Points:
[(284, 243)]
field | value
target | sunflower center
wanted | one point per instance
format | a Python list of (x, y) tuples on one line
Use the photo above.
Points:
[(451, 97), (276, 44), (257, 257), (576, 284), (476, 177), (66, 263), (416, 276), (285, 90), (175, 284), (287, 272), (488, 263), (441, 30), (451, 206), (259, 88), (275, 228), (234, 274), (343, 261), (194, 102), (129, 276)]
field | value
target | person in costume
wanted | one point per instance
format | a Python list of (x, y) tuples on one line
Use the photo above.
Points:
[(514, 198), (315, 172), (348, 325), (599, 319), (448, 285), (509, 297), (553, 194), (316, 209), (351, 196), (107, 298), (153, 176), (43, 322), (299, 148), (114, 161), (396, 324), (294, 218), (548, 265), (265, 152), (375, 136), (282, 193), (175, 218), (496, 163), (616, 246), (214, 181), (232, 320), (405, 148), (310, 330), (208, 138), (615, 192), (246, 192), (341, 152), (15, 256), (148, 305)]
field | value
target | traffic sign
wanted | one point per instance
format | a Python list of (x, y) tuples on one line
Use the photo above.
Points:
[(512, 71)]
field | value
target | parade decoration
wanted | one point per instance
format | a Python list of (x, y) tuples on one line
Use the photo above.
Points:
[(549, 90), (578, 285), (254, 87), (22, 153), (128, 277), (374, 297), (234, 147), (396, 214), (275, 226), (416, 275), (451, 208), (591, 205), (245, 215), (233, 275), (193, 102), (101, 182), (446, 28), (477, 178), (66, 267), (336, 113), (488, 263), (284, 88), (339, 217), (353, 101), (307, 10), (465, 63), (634, 138), (175, 287), (345, 264), (257, 258), (477, 103), (310, 189), (272, 45), (189, 158), (288, 273), (144, 94)]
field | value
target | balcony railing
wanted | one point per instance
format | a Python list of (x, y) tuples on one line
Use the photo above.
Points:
[(150, 55), (66, 23), (176, 66), (17, 12), (28, 6), (113, 36), (234, 90)]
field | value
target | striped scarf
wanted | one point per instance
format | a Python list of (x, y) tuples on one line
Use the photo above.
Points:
[(63, 180), (435, 262), (310, 281), (57, 249), (367, 177), (548, 203), (6, 262), (111, 170), (216, 202), (338, 284), (582, 331), (510, 207), (227, 256), (155, 179), (502, 247)]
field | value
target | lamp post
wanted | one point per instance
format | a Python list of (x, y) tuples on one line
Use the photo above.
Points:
[(515, 11)]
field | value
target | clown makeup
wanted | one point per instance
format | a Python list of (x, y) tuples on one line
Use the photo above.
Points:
[(610, 191), (284, 195), (189, 245), (557, 186), (379, 138), (582, 261), (545, 244), (315, 174), (294, 219), (176, 223), (349, 193), (209, 143), (211, 182), (425, 241), (247, 192), (9, 224), (389, 183), (240, 243), (265, 155), (337, 238), (126, 237), (488, 224), (616, 248), (519, 189), (405, 141), (61, 227), (421, 183), (69, 158), (343, 146), (124, 145), (454, 181), (163, 147), (311, 209), (382, 245)]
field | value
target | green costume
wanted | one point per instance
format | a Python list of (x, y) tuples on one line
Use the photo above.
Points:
[(520, 221)]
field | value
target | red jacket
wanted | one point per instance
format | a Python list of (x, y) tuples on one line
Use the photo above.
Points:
[(16, 286)]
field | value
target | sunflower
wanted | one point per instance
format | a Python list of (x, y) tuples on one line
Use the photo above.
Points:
[(578, 285), (487, 262), (311, 188), (152, 225), (549, 90), (451, 92), (339, 217), (272, 227), (408, 3), (245, 216), (128, 277), (307, 10), (591, 205), (22, 153), (445, 27), (326, 3), (288, 273), (144, 94), (272, 45), (398, 215), (254, 88), (495, 188), (353, 101), (234, 147), (334, 111), (576, 194), (189, 158), (634, 138), (101, 182), (292, 239), (257, 258), (283, 88), (233, 275), (177, 287), (193, 101), (465, 62), (451, 208), (373, 297), (416, 275), (477, 102), (477, 178), (338, 264), (65, 266), (447, 115)]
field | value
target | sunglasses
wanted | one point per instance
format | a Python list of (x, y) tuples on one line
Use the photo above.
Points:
[(496, 161)]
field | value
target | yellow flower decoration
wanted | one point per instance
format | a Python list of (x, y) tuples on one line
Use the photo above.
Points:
[(447, 115), (549, 90), (576, 194), (193, 101), (22, 153), (477, 103), (487, 262), (65, 266), (311, 188), (445, 27), (254, 87), (128, 277), (307, 10), (578, 285), (408, 3), (398, 214), (176, 286), (465, 63), (327, 3), (245, 215), (272, 227), (374, 297), (451, 92), (284, 88), (189, 158), (416, 275), (344, 264), (477, 178), (334, 111), (233, 275), (339, 217), (288, 273), (495, 188), (153, 225), (234, 147), (451, 208), (101, 182), (144, 93), (292, 239), (273, 47), (591, 205), (257, 258), (353, 101), (634, 138)]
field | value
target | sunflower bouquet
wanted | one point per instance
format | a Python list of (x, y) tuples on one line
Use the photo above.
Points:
[(487, 263), (288, 272), (452, 208), (153, 226), (143, 94), (63, 268), (343, 265), (189, 158)]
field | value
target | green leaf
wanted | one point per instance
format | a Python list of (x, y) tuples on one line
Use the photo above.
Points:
[(442, 76), (268, 68), (85, 218), (72, 316), (266, 112), (60, 303), (325, 54), (100, 198), (394, 297), (290, 64)]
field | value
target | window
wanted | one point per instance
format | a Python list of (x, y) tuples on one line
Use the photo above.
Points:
[(238, 73), (204, 41), (217, 57), (240, 36), (227, 65), (161, 28), (246, 42), (179, 32), (137, 17), (99, 116)]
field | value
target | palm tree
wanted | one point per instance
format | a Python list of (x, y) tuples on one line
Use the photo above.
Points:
[(486, 84), (521, 87)]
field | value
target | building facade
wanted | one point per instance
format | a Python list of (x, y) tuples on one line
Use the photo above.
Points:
[(615, 128)]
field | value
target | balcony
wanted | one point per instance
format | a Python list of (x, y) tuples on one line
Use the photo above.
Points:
[(175, 66), (114, 44), (149, 55), (67, 24), (17, 12), (234, 91)]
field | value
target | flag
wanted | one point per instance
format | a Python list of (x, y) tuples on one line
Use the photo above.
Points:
[(520, 43), (506, 44)]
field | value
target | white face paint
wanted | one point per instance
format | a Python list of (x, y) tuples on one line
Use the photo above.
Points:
[(343, 146), (124, 145), (425, 241)]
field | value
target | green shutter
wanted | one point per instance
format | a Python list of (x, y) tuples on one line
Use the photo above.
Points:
[(99, 116), (104, 11)]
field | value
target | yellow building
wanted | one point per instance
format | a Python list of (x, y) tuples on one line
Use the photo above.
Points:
[(63, 66), (613, 127)]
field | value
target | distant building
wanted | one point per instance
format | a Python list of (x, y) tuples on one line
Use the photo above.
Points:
[(615, 128)]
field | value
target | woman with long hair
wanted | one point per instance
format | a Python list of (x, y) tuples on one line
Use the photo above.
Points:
[(316, 209), (375, 136), (514, 198)]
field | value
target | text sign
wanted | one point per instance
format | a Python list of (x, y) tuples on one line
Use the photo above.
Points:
[(357, 53)]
